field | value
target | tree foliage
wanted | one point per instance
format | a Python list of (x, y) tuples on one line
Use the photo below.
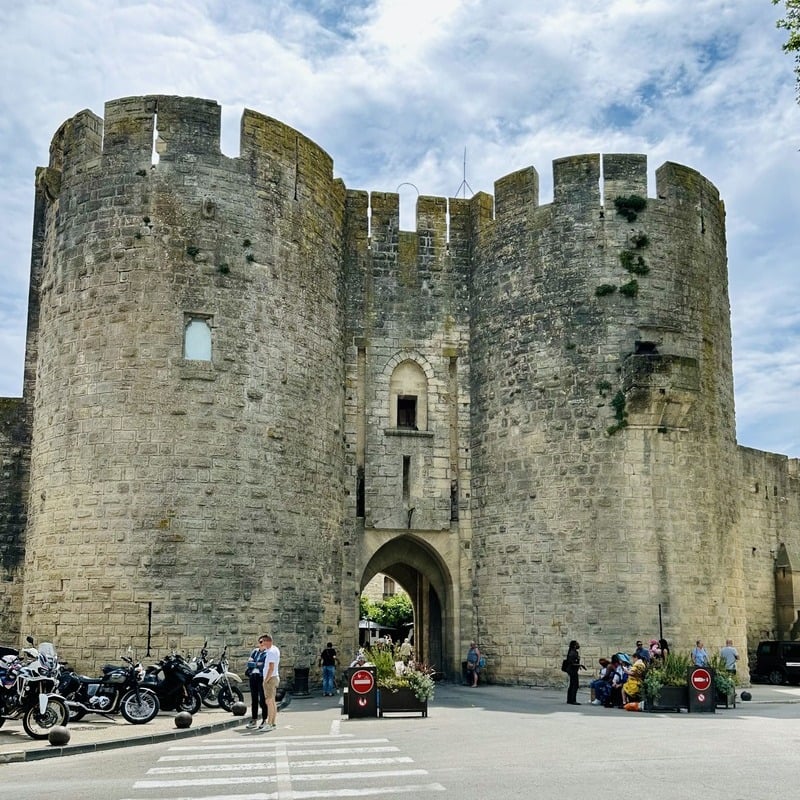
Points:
[(791, 23), (393, 612)]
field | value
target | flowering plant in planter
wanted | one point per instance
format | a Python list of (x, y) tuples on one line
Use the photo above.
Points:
[(393, 674)]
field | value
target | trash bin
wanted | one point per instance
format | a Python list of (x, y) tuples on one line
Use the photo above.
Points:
[(300, 686), (361, 697), (702, 694)]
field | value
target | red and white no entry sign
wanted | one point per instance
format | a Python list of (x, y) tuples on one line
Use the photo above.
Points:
[(361, 681), (701, 679)]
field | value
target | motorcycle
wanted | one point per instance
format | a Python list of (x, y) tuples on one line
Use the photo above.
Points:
[(214, 683), (117, 691), (171, 680), (27, 690)]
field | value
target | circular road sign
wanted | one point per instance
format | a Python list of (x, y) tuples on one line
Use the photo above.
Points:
[(701, 679), (362, 681)]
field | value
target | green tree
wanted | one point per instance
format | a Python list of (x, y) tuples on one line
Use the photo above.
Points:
[(395, 611), (791, 23)]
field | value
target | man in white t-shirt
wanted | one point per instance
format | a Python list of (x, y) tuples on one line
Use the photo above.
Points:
[(271, 681)]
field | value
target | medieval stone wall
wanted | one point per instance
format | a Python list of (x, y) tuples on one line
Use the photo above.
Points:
[(521, 412)]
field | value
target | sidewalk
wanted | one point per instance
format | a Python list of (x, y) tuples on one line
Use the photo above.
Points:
[(95, 733)]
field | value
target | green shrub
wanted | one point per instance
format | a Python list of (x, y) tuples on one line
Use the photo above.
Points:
[(605, 288), (630, 289), (629, 207)]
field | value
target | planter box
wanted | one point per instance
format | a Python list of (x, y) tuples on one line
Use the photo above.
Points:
[(726, 701), (670, 698), (402, 701)]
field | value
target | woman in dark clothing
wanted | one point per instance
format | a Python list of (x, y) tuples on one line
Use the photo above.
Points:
[(573, 665)]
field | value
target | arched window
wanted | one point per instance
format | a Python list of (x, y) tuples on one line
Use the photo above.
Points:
[(408, 397), (197, 339)]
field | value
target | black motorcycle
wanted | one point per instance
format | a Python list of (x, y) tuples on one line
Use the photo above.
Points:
[(117, 691), (171, 679)]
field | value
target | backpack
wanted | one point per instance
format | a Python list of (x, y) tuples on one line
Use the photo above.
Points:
[(565, 665)]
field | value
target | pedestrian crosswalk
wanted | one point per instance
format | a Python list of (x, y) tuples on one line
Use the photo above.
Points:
[(283, 768)]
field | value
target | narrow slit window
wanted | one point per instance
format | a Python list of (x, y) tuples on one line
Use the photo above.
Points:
[(406, 477)]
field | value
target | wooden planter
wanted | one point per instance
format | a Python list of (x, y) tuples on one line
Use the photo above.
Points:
[(670, 698), (401, 701)]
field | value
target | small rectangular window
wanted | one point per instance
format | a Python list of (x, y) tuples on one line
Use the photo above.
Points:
[(407, 411), (197, 338)]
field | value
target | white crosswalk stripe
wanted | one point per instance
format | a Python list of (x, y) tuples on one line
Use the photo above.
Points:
[(283, 768)]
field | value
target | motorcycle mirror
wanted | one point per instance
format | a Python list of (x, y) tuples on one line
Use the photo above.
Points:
[(29, 639)]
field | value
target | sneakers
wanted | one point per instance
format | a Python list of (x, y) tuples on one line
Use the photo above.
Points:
[(596, 702), (251, 724), (266, 727)]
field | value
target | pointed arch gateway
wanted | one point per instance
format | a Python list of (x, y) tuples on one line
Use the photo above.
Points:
[(420, 570)]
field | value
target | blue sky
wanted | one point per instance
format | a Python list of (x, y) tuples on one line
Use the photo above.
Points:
[(395, 90)]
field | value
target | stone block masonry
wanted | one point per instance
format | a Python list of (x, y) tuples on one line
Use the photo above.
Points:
[(247, 392)]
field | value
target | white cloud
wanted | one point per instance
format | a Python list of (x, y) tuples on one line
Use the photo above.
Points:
[(395, 90)]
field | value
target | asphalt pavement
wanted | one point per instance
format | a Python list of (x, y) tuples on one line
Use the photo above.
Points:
[(96, 733)]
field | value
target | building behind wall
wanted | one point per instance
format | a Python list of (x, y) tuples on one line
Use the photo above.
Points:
[(247, 392)]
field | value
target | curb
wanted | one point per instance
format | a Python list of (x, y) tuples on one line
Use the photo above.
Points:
[(77, 749)]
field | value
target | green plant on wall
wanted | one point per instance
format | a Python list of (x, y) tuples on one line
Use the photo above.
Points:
[(630, 289), (629, 207), (605, 288), (620, 414), (640, 240), (633, 263)]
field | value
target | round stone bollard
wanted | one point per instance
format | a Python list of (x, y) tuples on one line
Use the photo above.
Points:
[(238, 709), (746, 695), (183, 719), (58, 735)]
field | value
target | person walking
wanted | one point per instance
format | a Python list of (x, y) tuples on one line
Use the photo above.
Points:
[(271, 680), (731, 656), (573, 665), (255, 673), (473, 660), (327, 660)]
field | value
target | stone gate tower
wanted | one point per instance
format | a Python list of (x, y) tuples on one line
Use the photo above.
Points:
[(247, 392)]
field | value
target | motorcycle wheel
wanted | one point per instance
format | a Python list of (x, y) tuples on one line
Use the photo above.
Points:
[(210, 697), (75, 714), (228, 695), (140, 711), (190, 703), (37, 725)]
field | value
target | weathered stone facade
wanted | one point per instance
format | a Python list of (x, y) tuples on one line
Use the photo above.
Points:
[(522, 413)]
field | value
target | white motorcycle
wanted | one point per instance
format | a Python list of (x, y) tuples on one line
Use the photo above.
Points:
[(216, 685), (27, 690)]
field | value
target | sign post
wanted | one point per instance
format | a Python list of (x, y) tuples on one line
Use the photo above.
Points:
[(361, 699), (702, 694)]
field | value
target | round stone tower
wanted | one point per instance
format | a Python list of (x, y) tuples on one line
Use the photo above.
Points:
[(187, 439), (602, 404)]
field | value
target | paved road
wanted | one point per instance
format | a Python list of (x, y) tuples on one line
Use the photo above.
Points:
[(490, 742)]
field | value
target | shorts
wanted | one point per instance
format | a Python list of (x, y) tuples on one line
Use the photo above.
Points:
[(270, 688)]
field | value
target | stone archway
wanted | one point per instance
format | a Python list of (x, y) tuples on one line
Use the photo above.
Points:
[(419, 569)]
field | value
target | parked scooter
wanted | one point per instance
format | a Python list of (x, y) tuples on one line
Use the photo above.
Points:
[(118, 691), (27, 690), (171, 680), (215, 684)]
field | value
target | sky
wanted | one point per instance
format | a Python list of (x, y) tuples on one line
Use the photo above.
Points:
[(445, 97)]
